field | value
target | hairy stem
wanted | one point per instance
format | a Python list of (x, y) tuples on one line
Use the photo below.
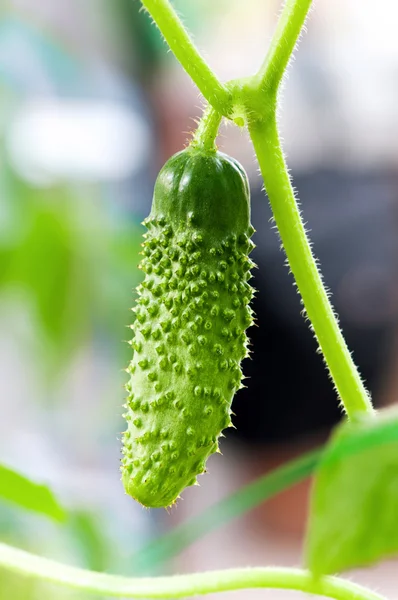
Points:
[(282, 45), (345, 375), (179, 586), (188, 55), (207, 131)]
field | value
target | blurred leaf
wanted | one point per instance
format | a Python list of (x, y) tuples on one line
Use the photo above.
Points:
[(353, 520), (87, 532), (28, 494), (70, 264), (44, 263), (41, 257)]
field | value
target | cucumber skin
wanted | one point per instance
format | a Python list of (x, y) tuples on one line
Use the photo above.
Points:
[(192, 312)]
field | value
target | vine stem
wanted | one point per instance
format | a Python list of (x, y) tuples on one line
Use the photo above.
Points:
[(188, 55), (353, 395), (261, 103), (287, 32), (180, 586)]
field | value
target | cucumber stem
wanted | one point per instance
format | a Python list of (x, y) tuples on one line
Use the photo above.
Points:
[(207, 130)]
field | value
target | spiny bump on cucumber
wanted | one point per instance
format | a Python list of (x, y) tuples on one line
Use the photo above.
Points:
[(191, 314)]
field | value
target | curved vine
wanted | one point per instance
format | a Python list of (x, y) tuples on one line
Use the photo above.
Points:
[(180, 586)]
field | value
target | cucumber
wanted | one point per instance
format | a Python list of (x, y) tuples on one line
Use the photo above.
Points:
[(192, 312)]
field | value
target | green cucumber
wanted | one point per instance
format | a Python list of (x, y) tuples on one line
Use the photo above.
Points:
[(192, 312)]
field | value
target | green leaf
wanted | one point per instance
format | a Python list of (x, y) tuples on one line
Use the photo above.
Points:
[(28, 494), (88, 532), (354, 509)]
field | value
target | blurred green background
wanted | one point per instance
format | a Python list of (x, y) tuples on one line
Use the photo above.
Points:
[(76, 171)]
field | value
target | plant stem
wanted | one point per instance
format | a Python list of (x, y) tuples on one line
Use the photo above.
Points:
[(207, 130), (347, 380), (188, 55), (282, 44), (179, 586)]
